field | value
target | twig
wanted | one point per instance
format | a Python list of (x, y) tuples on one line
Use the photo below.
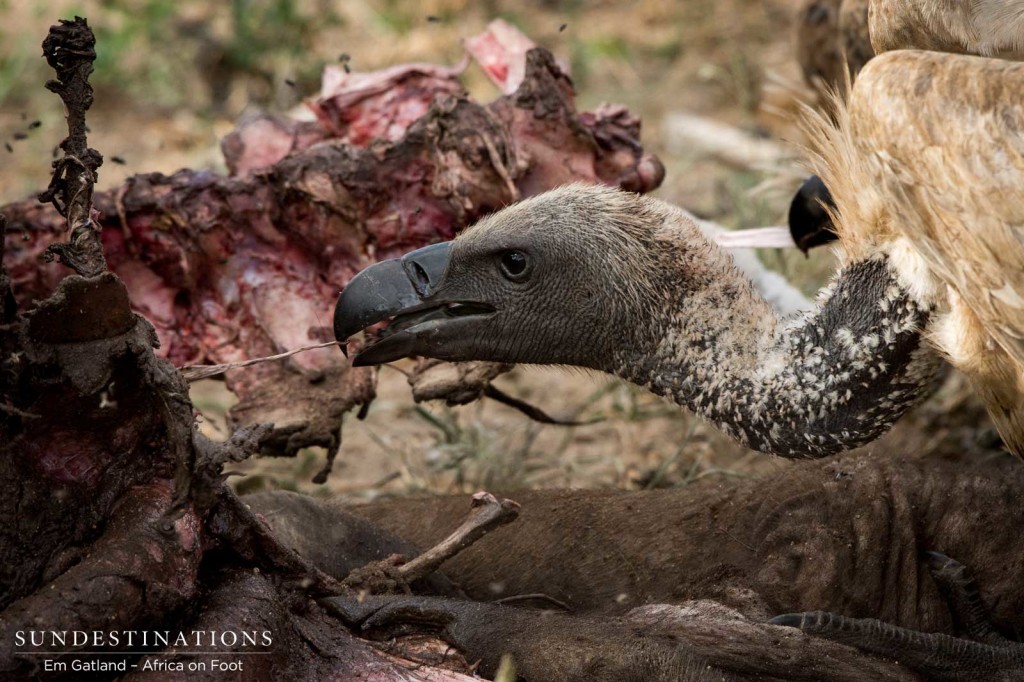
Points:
[(70, 49), (486, 514), (534, 413), (196, 372)]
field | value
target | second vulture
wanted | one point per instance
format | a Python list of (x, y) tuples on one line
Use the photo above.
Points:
[(926, 167)]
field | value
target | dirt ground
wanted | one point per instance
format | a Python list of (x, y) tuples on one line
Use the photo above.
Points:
[(173, 77)]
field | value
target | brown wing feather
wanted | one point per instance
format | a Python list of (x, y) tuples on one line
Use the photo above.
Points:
[(985, 27), (950, 131), (926, 163)]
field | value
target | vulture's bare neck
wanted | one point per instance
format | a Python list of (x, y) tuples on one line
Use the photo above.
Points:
[(810, 387)]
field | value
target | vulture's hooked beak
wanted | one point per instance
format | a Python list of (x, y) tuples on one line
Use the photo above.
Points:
[(410, 291), (809, 223)]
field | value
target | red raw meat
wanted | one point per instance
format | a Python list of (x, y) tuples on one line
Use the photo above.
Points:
[(232, 268)]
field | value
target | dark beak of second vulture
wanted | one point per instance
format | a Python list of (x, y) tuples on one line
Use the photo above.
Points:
[(809, 222), (409, 292)]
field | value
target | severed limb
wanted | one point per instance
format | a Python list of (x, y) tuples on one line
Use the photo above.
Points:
[(542, 645), (247, 266), (981, 652), (546, 645)]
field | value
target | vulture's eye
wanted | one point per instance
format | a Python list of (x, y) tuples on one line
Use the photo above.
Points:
[(514, 265)]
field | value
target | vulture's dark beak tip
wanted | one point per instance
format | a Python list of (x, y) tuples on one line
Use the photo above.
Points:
[(384, 290), (809, 223)]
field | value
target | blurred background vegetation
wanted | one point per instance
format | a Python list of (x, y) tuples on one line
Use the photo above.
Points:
[(172, 77), (178, 73)]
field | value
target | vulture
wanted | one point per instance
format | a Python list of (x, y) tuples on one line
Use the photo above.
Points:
[(833, 34), (836, 38), (925, 163)]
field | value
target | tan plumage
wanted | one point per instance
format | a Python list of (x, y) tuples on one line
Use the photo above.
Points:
[(991, 28), (831, 32), (926, 163)]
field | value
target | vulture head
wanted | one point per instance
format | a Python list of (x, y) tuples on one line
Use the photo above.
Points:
[(603, 279), (574, 277)]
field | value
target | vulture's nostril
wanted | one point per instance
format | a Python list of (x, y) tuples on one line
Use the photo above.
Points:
[(422, 282), (426, 267)]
